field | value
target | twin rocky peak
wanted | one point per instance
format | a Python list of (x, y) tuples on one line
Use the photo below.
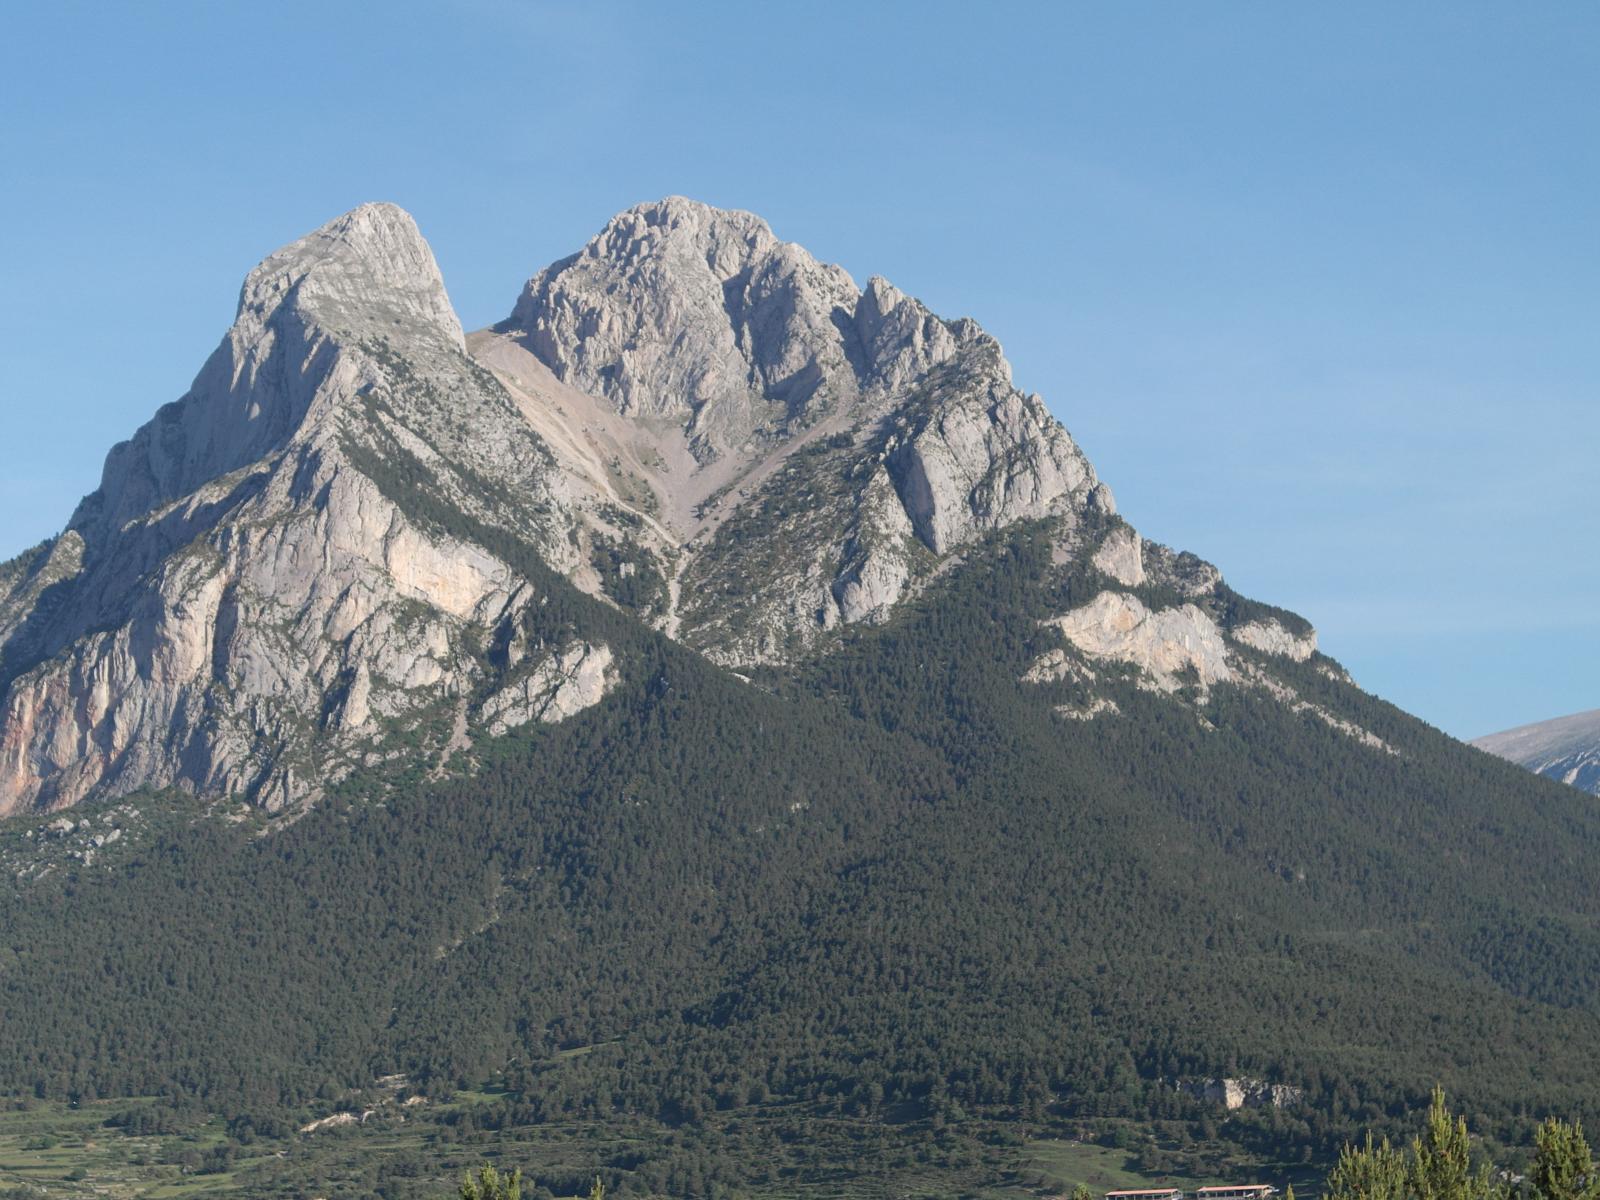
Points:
[(321, 556)]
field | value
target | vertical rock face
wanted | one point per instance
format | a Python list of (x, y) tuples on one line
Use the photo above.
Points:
[(841, 440), (1234, 1094), (367, 275), (559, 686), (696, 315), (243, 606), (1121, 556), (978, 455)]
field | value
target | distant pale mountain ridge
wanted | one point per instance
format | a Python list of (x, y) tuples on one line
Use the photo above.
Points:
[(1566, 749)]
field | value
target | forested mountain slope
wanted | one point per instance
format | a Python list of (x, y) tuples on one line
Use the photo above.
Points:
[(899, 875), (572, 772)]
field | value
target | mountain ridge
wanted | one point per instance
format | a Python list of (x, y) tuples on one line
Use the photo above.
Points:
[(689, 417), (1566, 749)]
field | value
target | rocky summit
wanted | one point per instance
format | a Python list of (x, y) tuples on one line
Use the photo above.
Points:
[(317, 557)]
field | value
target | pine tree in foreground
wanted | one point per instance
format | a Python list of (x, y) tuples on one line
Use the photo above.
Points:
[(1371, 1172), (1563, 1168), (486, 1183), (1441, 1159)]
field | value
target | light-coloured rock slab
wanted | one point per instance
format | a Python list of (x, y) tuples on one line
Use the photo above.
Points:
[(1121, 556), (1234, 1094), (1270, 637), (1171, 646), (561, 686)]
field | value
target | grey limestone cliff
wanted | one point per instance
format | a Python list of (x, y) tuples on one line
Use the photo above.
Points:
[(242, 607), (818, 448)]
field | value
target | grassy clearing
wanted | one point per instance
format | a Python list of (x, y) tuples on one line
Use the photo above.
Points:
[(1068, 1163)]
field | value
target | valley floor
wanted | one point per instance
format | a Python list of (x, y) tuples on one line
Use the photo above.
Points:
[(52, 1149)]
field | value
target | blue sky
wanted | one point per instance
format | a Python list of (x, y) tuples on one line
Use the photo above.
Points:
[(1314, 285)]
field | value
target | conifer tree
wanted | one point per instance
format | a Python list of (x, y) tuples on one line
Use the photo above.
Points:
[(1441, 1159), (1563, 1168), (488, 1184), (1370, 1172)]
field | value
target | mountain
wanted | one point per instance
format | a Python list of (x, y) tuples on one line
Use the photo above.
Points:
[(287, 573), (716, 694), (690, 417), (1566, 748)]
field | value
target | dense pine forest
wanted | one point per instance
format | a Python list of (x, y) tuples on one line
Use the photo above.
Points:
[(891, 887)]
